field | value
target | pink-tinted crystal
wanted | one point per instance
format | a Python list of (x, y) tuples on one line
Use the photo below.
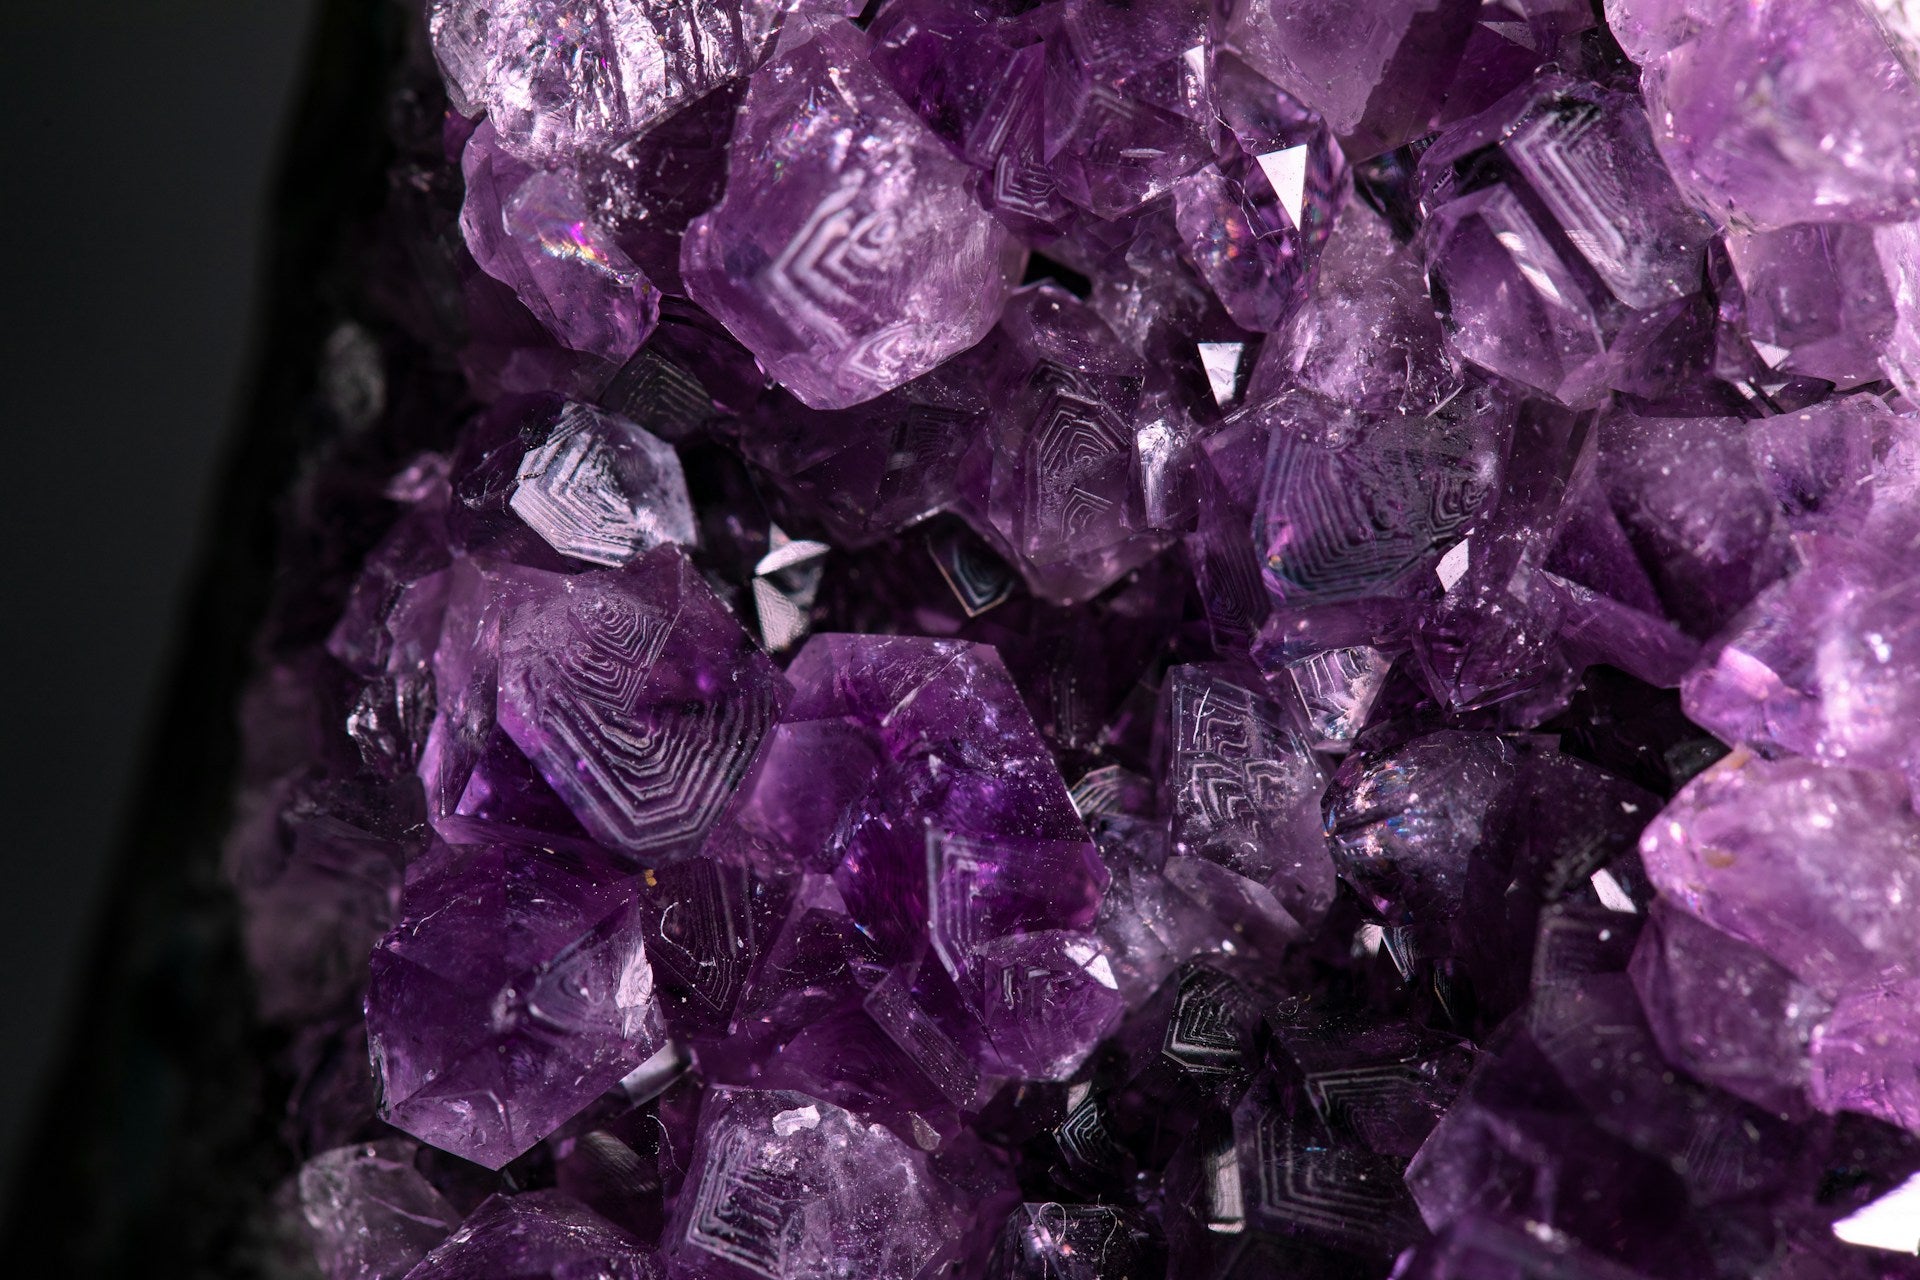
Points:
[(555, 76), (514, 990), (849, 254), (532, 230), (1788, 111), (1816, 866)]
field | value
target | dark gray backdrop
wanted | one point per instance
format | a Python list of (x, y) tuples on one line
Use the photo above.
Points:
[(138, 140)]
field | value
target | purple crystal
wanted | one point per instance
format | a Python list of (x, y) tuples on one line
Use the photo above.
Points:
[(538, 1235), (1816, 297), (1788, 111), (1254, 219), (1376, 81), (1864, 1054), (555, 76), (370, 1212), (1366, 336), (515, 990), (846, 269), (786, 1185), (1555, 238), (635, 693), (531, 230), (1724, 1012), (1244, 789), (1060, 492)]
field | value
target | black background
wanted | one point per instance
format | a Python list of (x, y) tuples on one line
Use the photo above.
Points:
[(139, 140)]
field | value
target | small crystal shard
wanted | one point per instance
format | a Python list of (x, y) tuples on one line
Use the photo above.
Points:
[(848, 255), (603, 490)]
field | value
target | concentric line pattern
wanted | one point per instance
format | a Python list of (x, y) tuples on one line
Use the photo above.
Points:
[(1207, 1034), (1341, 524), (1072, 454), (1339, 1194), (642, 775), (576, 494), (745, 1211), (893, 1009), (702, 939), (1234, 765), (956, 866), (834, 257), (1086, 1142)]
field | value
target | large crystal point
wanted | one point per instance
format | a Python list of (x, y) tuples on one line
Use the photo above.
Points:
[(514, 991), (849, 254), (1377, 79)]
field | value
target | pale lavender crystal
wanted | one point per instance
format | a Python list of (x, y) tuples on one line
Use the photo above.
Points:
[(1866, 1055), (1244, 788), (1816, 299), (1337, 688), (1377, 79), (370, 1213), (1899, 246), (787, 1187), (538, 1235), (1552, 265), (636, 694), (1255, 217), (531, 229), (603, 490), (849, 254), (555, 76), (1058, 454), (1816, 866), (1366, 336), (514, 990), (1726, 1013), (1788, 111)]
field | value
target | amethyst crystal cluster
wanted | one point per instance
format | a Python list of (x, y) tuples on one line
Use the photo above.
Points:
[(1116, 639)]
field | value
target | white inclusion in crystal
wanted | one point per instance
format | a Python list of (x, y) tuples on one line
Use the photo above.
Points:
[(788, 1123), (1892, 1222), (1453, 565), (1287, 171), (1612, 896), (1222, 363)]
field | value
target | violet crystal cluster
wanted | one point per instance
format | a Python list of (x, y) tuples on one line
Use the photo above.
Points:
[(1114, 640)]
